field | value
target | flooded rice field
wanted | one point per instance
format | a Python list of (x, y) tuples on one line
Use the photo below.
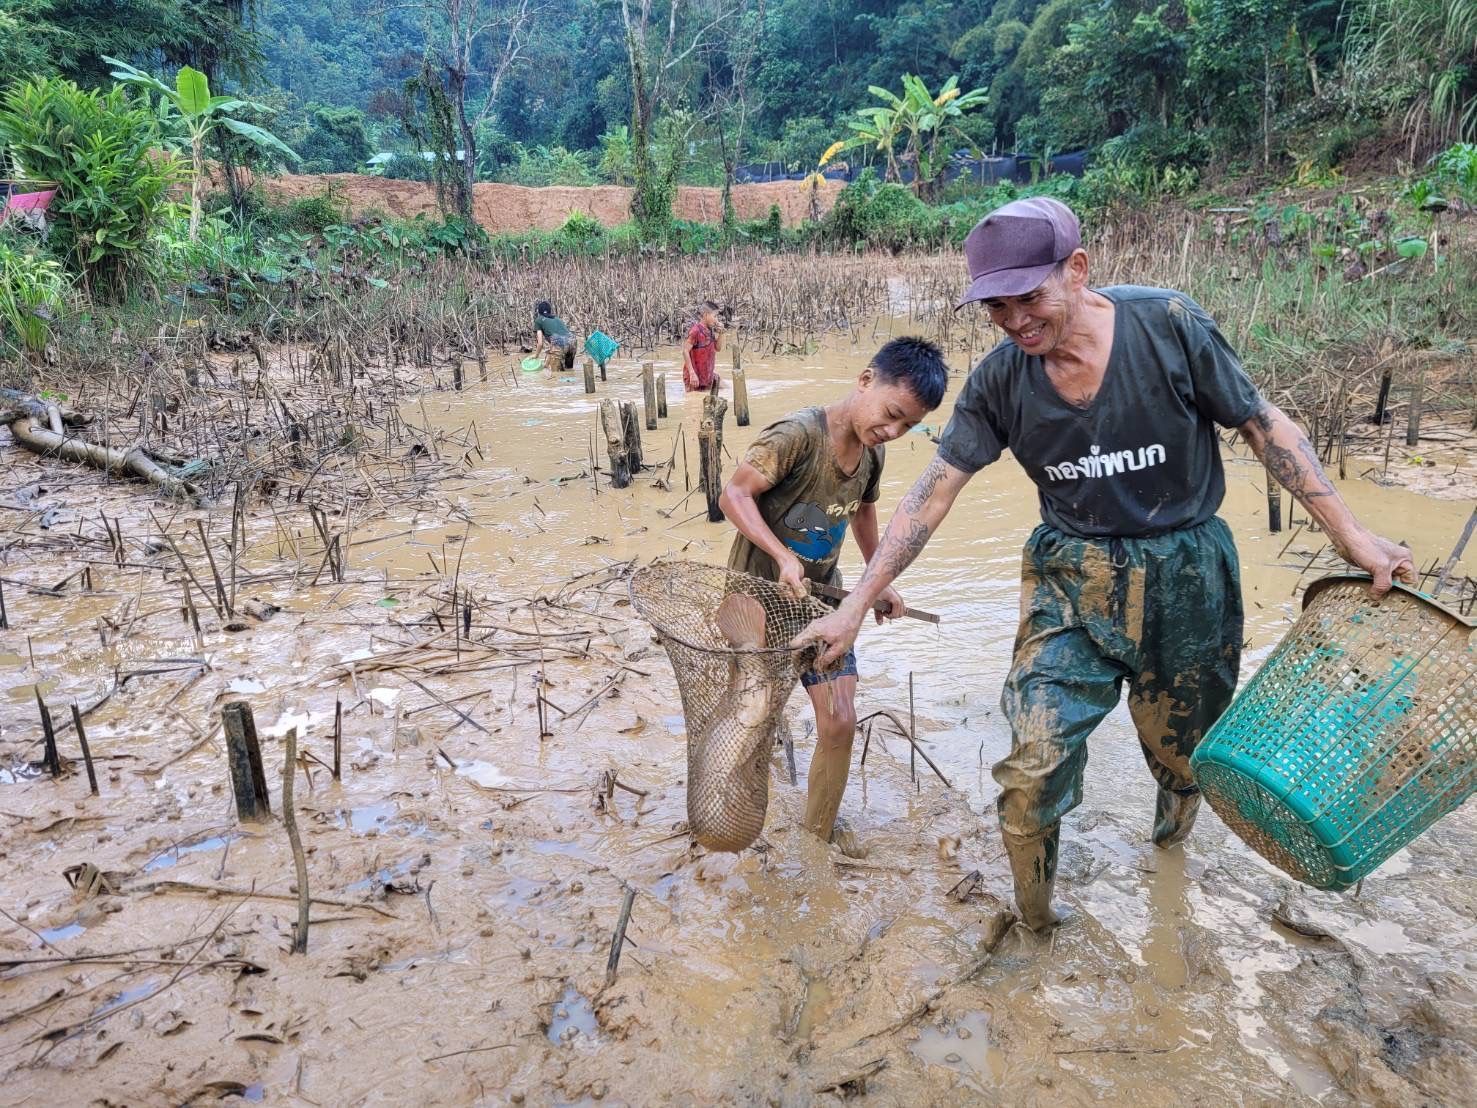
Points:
[(512, 760)]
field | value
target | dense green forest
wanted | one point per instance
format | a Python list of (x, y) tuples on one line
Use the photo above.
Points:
[(137, 114), (548, 89)]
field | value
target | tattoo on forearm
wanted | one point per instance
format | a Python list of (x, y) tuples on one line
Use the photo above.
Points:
[(1297, 469), (904, 541), (1263, 418), (912, 503)]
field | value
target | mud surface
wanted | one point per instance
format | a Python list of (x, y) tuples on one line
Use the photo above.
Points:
[(472, 870), (503, 209)]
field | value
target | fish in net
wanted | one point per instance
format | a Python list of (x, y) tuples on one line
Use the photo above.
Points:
[(727, 636)]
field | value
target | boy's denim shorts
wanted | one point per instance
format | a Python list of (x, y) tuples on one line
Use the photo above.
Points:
[(846, 668)]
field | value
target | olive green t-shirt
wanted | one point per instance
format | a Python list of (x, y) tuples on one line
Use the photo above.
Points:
[(554, 329), (812, 499)]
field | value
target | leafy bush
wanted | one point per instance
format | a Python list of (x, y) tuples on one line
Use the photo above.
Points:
[(336, 140), (615, 156), (103, 152), (547, 165), (886, 216), (315, 213), (1152, 146), (33, 289)]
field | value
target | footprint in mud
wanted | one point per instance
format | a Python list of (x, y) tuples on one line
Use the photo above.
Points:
[(572, 1018), (965, 1048)]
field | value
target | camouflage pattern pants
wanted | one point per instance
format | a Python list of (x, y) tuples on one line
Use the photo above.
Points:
[(1161, 613)]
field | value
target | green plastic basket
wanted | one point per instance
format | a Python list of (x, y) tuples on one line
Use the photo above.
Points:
[(601, 347), (1358, 733)]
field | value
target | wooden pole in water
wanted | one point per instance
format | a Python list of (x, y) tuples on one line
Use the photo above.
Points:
[(299, 861), (710, 453), (86, 750), (661, 395), (648, 394), (248, 782), (1417, 400), (1274, 504), (740, 393), (589, 374), (4, 620), (618, 940), (338, 737), (615, 444), (1384, 397), (52, 757), (635, 458)]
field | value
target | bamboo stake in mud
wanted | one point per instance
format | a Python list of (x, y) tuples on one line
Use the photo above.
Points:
[(618, 940), (52, 757), (740, 393), (299, 862), (648, 394), (1417, 401), (1274, 504), (661, 396), (338, 737), (1456, 553), (248, 781), (635, 457), (4, 619), (86, 750), (1380, 414), (615, 444), (589, 375), (710, 459)]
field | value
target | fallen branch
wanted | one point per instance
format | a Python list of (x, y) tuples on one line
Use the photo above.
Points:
[(132, 462)]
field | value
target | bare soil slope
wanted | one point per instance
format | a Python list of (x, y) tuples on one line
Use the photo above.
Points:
[(513, 208)]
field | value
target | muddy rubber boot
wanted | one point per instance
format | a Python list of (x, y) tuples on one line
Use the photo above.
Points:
[(1174, 816), (844, 839), (1033, 866)]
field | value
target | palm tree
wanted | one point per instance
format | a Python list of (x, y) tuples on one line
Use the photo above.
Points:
[(201, 113)]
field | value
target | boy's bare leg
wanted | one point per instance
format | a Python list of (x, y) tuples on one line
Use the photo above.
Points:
[(835, 724)]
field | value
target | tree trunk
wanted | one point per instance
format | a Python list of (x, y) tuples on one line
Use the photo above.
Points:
[(233, 181), (456, 77), (197, 184)]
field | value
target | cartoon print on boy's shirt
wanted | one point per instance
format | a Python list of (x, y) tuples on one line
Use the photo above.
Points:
[(819, 530)]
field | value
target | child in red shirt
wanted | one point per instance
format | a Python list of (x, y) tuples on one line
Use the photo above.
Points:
[(701, 347)]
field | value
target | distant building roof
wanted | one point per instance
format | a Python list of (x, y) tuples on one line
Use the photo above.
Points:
[(386, 157)]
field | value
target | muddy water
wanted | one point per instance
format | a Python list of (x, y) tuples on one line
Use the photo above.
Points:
[(781, 975)]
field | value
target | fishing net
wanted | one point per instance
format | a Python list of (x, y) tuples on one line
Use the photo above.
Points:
[(732, 697)]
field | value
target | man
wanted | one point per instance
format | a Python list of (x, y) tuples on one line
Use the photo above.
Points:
[(700, 349), (1109, 399), (802, 482)]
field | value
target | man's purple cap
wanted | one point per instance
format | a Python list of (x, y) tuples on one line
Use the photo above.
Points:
[(1014, 248)]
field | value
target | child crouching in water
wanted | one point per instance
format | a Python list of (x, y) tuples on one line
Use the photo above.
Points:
[(803, 481)]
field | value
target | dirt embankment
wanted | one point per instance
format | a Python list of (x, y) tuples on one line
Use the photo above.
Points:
[(504, 209)]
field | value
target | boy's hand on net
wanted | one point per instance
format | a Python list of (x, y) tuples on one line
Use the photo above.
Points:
[(894, 602), (792, 577)]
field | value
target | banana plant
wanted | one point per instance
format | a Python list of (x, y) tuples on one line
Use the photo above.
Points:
[(923, 117), (200, 113)]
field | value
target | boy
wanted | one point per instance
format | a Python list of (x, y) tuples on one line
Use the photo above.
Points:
[(800, 484), (553, 332), (700, 348)]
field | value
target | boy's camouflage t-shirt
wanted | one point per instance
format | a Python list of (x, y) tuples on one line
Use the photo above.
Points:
[(812, 499)]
